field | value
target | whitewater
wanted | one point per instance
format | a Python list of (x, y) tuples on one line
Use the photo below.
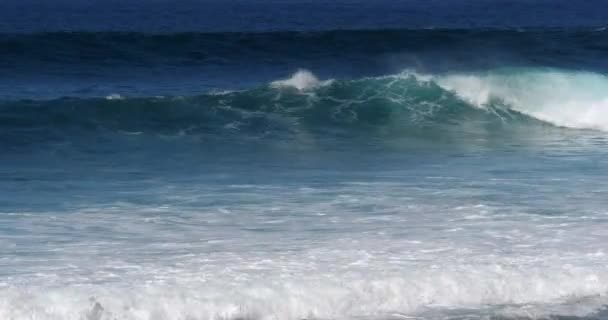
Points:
[(362, 243), (303, 160)]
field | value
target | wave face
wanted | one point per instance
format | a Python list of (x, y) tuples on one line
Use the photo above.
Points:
[(408, 105)]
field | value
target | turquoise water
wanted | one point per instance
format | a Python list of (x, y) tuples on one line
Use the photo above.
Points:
[(319, 168)]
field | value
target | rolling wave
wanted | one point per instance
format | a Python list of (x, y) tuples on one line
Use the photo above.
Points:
[(407, 104), (432, 48)]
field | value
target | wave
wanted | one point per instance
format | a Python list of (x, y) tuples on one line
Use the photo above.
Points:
[(428, 107), (432, 49)]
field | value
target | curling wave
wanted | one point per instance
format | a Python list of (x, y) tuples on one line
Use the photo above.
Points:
[(407, 104)]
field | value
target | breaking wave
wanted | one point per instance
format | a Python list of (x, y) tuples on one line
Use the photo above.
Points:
[(403, 105)]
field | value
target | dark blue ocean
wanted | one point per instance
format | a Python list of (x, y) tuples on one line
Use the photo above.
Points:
[(303, 159)]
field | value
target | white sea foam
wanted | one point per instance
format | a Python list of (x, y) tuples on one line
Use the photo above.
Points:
[(564, 98), (301, 80), (329, 296), (176, 262)]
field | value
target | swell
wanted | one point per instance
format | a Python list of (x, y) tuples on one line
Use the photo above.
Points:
[(504, 103), (432, 49)]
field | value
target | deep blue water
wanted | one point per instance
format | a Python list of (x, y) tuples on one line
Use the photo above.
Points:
[(280, 15), (165, 160)]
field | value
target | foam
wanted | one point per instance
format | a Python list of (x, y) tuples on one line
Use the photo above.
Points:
[(301, 80), (565, 98), (114, 96), (511, 289), (205, 267)]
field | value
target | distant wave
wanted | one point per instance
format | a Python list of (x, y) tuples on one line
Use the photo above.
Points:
[(403, 105), (430, 48)]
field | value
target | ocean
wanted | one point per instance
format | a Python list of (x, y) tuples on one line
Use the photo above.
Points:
[(303, 160)]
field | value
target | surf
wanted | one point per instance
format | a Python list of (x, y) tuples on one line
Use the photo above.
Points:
[(429, 107), (572, 99)]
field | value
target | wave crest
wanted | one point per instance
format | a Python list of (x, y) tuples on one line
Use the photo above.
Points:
[(568, 99), (301, 80)]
